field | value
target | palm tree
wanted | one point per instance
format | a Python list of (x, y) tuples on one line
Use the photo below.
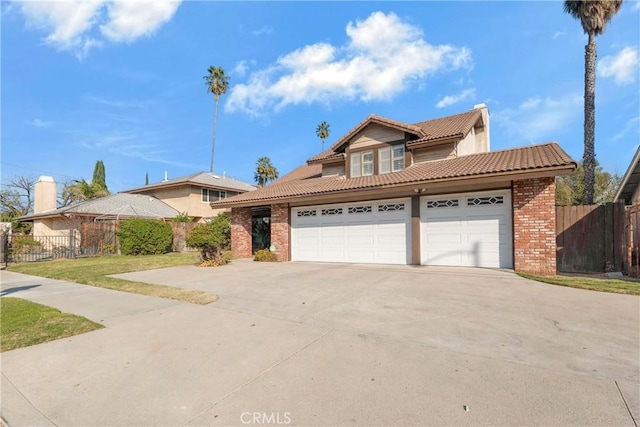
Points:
[(265, 172), (217, 83), (323, 132), (594, 15), (81, 190)]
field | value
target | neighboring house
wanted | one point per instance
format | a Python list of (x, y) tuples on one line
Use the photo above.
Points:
[(629, 190), (428, 193), (194, 193), (51, 221)]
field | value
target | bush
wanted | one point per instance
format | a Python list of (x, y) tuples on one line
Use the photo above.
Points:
[(265, 255), (24, 245), (212, 239), (145, 237)]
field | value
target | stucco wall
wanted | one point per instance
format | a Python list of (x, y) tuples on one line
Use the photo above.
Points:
[(187, 199)]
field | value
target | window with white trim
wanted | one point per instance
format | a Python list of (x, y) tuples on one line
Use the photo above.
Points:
[(391, 159), (361, 163), (209, 196)]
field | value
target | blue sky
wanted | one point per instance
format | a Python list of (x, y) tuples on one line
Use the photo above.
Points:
[(122, 82)]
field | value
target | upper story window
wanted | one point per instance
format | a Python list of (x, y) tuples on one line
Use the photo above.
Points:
[(361, 163), (391, 159), (209, 196)]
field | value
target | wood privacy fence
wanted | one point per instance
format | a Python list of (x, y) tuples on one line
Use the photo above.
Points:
[(591, 239), (633, 240)]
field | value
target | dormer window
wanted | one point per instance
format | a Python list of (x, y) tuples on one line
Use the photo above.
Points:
[(361, 164), (391, 159)]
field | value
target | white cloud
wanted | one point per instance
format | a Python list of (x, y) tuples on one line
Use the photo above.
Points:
[(636, 5), (265, 30), (559, 34), (242, 67), (72, 24), (454, 99), (632, 127), (622, 67), (37, 123), (540, 119), (131, 19), (382, 57)]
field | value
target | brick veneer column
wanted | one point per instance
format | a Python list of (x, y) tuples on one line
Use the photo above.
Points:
[(280, 230), (241, 232), (534, 226)]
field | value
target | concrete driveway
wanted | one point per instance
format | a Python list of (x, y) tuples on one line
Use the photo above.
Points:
[(325, 344)]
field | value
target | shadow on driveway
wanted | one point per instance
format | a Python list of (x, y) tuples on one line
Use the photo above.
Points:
[(8, 291)]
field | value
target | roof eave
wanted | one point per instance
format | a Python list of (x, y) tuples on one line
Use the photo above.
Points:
[(486, 177), (630, 170)]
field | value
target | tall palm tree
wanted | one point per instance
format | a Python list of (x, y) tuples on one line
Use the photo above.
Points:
[(594, 15), (265, 172), (81, 190), (323, 132), (218, 84)]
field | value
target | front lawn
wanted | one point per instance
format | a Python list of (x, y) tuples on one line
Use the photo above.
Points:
[(590, 283), (24, 323), (94, 272)]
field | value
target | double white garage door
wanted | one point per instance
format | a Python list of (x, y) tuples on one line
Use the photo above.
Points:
[(457, 230)]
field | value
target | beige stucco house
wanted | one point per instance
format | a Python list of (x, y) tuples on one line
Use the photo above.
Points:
[(426, 193), (193, 194)]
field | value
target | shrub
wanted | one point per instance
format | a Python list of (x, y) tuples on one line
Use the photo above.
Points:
[(24, 245), (140, 236), (182, 217), (265, 255), (212, 239)]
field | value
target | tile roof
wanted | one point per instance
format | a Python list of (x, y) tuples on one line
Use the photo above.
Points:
[(302, 172), (202, 178), (114, 206), (517, 160), (429, 130), (449, 126)]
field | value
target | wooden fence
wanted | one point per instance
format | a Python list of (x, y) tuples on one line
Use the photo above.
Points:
[(633, 240), (591, 239)]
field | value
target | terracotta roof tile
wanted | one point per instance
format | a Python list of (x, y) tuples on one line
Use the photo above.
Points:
[(429, 130), (443, 127), (301, 172), (517, 160)]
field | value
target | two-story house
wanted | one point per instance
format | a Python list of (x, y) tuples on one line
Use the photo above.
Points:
[(428, 193), (193, 194)]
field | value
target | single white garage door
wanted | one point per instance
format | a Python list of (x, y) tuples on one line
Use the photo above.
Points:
[(363, 232), (472, 230)]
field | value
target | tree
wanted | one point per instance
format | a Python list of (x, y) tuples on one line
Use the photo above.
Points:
[(323, 132), (594, 15), (570, 188), (218, 84), (99, 176), (16, 200), (265, 172), (81, 190), (146, 179)]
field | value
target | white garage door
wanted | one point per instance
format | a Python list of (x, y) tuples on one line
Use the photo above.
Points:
[(363, 232), (471, 230)]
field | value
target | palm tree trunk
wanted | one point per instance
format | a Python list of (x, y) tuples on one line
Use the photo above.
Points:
[(589, 157), (213, 143)]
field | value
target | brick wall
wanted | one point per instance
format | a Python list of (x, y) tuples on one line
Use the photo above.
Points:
[(534, 226), (280, 230), (241, 232)]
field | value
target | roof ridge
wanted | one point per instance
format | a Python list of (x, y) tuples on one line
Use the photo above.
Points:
[(447, 117)]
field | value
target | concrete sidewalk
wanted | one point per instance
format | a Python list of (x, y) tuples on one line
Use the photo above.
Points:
[(322, 344)]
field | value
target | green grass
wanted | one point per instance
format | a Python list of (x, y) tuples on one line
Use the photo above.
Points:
[(590, 283), (94, 272), (24, 323)]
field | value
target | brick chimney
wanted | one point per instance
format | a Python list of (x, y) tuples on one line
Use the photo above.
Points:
[(45, 195)]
